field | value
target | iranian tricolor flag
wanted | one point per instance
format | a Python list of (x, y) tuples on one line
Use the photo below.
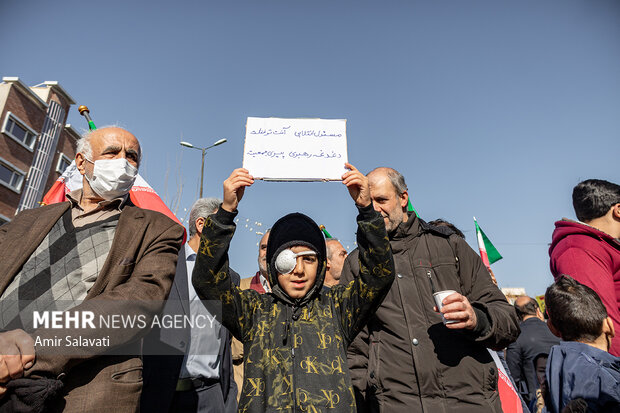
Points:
[(141, 194), (488, 252)]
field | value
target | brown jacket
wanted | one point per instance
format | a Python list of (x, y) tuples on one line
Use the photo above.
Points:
[(406, 360), (140, 266)]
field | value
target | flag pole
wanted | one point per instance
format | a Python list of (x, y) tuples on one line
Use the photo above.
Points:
[(327, 234), (84, 111)]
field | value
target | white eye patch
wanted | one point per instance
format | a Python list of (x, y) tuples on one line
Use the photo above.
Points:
[(287, 260)]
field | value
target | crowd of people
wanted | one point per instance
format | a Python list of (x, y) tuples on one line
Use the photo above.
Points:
[(315, 329)]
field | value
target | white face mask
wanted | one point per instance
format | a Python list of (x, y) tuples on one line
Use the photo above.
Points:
[(112, 178)]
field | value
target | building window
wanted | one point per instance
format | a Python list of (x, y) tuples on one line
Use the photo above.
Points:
[(63, 163), (10, 176), (19, 131)]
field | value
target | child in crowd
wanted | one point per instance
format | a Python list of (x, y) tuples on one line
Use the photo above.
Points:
[(295, 338), (537, 405), (580, 367)]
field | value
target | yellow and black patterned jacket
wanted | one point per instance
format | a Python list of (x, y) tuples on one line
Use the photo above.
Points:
[(295, 354)]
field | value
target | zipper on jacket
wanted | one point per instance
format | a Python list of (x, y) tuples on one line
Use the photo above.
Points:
[(294, 388), (292, 341), (429, 274)]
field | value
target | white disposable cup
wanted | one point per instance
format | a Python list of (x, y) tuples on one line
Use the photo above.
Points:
[(439, 297)]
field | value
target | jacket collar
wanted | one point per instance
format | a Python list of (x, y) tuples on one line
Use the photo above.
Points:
[(415, 226), (406, 229), (118, 203), (566, 227), (32, 233), (602, 357)]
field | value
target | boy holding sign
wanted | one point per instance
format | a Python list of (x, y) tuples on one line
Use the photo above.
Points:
[(295, 338)]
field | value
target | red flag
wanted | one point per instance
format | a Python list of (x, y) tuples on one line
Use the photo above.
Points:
[(70, 180), (144, 196), (508, 396)]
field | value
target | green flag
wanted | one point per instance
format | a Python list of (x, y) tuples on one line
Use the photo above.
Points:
[(410, 208), (488, 252)]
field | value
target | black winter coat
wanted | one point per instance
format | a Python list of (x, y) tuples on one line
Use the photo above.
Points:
[(535, 338), (406, 360)]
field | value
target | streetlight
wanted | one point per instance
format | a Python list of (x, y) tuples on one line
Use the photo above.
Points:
[(204, 150)]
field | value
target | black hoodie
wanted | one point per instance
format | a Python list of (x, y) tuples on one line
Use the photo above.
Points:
[(295, 350)]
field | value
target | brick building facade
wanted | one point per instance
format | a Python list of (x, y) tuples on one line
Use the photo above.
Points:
[(36, 144)]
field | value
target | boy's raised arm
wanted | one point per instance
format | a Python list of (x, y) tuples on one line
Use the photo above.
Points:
[(359, 299), (211, 277)]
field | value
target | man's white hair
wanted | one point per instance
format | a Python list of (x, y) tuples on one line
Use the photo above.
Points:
[(83, 145), (329, 244)]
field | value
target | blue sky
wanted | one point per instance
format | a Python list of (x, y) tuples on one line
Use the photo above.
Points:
[(493, 109)]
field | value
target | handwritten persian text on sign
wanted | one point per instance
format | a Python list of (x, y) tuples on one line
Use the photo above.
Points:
[(295, 149)]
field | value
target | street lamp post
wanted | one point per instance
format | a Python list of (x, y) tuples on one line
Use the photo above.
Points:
[(204, 151)]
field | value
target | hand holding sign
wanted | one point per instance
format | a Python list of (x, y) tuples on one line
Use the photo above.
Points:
[(234, 187), (357, 184)]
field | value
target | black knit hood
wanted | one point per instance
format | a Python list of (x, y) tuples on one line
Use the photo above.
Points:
[(290, 230)]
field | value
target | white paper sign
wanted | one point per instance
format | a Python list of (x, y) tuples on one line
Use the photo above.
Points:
[(295, 149)]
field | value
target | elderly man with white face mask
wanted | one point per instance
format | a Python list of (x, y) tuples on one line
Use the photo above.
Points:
[(96, 253), (109, 161)]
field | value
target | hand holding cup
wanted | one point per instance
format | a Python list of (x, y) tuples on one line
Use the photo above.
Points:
[(456, 310)]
